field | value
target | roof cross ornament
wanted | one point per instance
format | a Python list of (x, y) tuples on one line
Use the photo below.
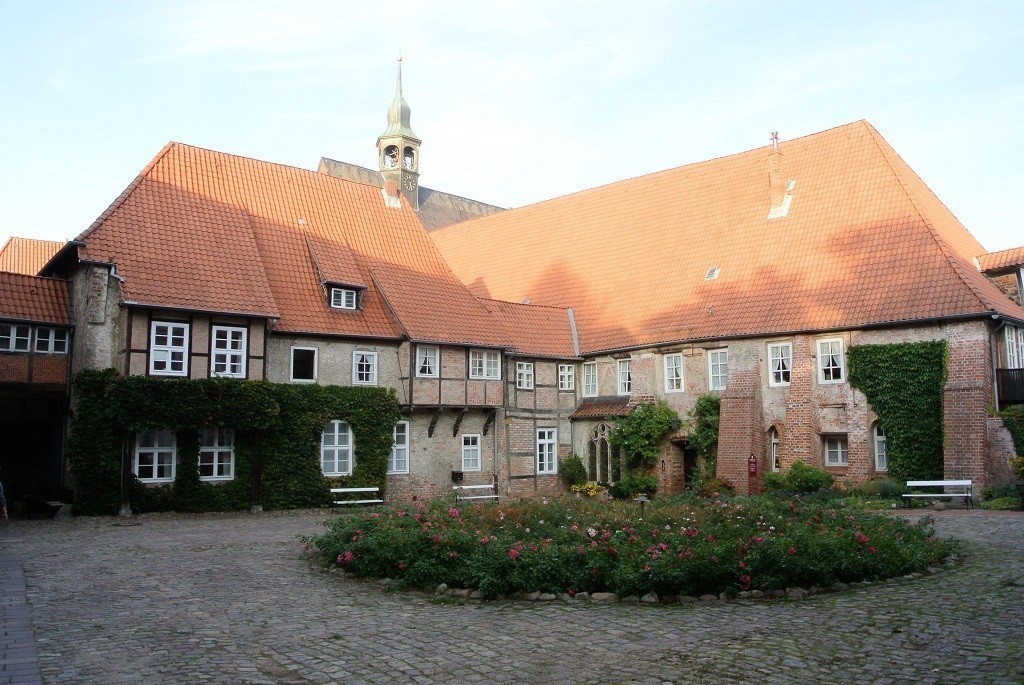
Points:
[(775, 140)]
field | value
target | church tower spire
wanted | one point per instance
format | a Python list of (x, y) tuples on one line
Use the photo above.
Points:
[(398, 148)]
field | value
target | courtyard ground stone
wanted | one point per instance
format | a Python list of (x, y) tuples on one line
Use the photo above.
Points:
[(234, 598)]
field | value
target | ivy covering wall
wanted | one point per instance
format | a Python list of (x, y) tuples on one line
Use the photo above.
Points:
[(287, 420), (903, 382), (1013, 419)]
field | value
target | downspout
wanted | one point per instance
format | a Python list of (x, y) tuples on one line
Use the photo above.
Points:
[(995, 358)]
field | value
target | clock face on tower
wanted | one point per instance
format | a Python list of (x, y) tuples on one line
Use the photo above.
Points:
[(410, 184)]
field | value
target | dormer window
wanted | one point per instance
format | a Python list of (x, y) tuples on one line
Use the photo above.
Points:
[(344, 298)]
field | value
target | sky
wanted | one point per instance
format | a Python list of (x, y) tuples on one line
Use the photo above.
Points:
[(516, 102)]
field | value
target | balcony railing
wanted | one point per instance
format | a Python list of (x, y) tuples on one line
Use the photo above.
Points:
[(1010, 386)]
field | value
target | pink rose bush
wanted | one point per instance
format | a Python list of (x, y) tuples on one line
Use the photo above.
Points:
[(682, 546)]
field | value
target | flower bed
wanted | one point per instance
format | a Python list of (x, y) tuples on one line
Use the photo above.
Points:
[(680, 547)]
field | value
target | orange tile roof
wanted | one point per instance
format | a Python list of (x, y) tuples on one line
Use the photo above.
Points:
[(27, 255), (33, 299), (600, 407), (535, 330), (865, 242), (205, 230), (1004, 259)]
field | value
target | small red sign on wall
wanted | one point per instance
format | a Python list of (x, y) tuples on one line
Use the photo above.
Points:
[(752, 465)]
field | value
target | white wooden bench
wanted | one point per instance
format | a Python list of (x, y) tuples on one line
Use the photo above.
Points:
[(488, 492), (335, 492), (966, 490)]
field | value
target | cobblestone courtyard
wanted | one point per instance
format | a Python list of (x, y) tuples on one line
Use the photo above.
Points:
[(232, 598)]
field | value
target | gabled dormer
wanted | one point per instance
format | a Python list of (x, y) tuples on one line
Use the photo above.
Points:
[(339, 274)]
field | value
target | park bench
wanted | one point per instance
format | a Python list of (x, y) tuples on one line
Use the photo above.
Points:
[(487, 492), (965, 490), (337, 493)]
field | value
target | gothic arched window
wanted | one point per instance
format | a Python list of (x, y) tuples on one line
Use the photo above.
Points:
[(603, 462)]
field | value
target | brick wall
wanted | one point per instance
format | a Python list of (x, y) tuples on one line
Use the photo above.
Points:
[(966, 396), (14, 368)]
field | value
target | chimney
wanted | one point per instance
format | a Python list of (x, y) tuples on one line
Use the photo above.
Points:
[(390, 192)]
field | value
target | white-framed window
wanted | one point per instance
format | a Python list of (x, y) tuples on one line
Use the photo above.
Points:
[(718, 369), (228, 351), (774, 450), (364, 368), (156, 453), (398, 461), (485, 364), (524, 375), (547, 450), (51, 340), (14, 338), (881, 457), (780, 363), (835, 450), (471, 452), (217, 454), (590, 379), (304, 364), (344, 298), (168, 348), (1014, 340), (566, 377), (428, 361), (625, 376), (674, 372), (336, 449), (830, 360)]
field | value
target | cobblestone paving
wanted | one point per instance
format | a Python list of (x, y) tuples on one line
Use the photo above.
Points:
[(234, 599)]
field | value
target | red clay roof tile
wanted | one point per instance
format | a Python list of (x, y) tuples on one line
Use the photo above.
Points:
[(1002, 260), (535, 330), (27, 255), (864, 242), (33, 299), (204, 230)]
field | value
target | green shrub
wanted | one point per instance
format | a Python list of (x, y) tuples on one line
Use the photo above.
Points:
[(999, 491), (715, 487), (572, 471), (679, 547), (800, 479), (632, 485), (878, 489), (639, 434), (1002, 504)]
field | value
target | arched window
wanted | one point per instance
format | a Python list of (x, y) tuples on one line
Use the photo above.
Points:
[(774, 447), (603, 463), (878, 441)]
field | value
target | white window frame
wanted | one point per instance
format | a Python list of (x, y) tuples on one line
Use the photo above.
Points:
[(547, 451), (674, 372), (880, 447), (590, 388), (164, 455), (566, 377), (50, 340), (471, 451), (364, 367), (718, 360), (429, 356), (780, 364), (165, 353), (344, 298), (485, 365), (837, 451), (230, 356), (217, 448), (15, 338), (624, 376), (836, 372), (774, 450), (524, 375), (337, 449), (398, 460), (1014, 344), (291, 368)]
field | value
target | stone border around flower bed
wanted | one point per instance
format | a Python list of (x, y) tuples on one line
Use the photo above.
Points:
[(443, 591)]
